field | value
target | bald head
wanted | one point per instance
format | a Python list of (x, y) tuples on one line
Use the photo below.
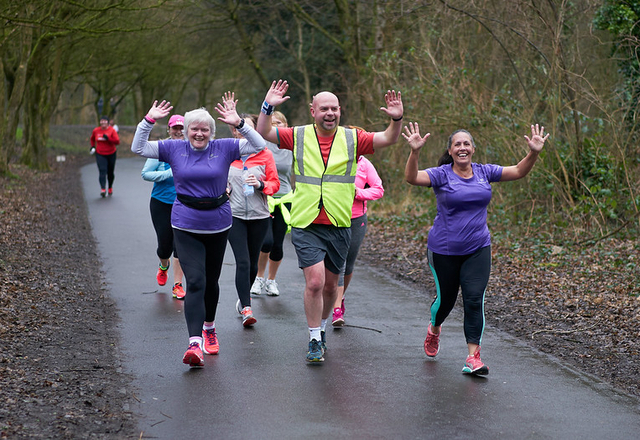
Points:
[(325, 110)]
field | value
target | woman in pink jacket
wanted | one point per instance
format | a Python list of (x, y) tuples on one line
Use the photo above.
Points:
[(368, 187)]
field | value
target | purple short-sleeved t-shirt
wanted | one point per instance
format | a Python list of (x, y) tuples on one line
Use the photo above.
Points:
[(200, 173), (460, 226)]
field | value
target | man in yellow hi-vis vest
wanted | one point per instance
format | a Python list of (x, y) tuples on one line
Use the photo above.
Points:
[(324, 164)]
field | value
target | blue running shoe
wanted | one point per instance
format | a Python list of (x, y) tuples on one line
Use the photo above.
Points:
[(323, 342), (315, 351)]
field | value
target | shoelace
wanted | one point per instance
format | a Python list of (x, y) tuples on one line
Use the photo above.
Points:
[(315, 346), (432, 339), (474, 361), (211, 337)]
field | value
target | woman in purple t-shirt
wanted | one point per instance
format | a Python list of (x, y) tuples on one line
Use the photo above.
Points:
[(459, 243), (201, 215)]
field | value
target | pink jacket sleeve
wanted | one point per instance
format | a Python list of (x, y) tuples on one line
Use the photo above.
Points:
[(367, 174)]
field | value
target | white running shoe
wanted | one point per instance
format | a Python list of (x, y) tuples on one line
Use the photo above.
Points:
[(271, 287), (239, 307), (257, 286)]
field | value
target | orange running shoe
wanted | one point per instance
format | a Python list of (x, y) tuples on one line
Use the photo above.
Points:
[(178, 291), (210, 341), (247, 317), (193, 356)]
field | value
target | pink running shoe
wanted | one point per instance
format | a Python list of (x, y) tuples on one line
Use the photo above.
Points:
[(338, 317), (210, 343), (474, 365), (193, 356), (431, 342)]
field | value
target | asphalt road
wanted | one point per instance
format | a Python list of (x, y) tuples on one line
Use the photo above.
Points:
[(376, 382)]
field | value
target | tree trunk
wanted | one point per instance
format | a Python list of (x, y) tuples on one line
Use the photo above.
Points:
[(45, 86), (12, 99)]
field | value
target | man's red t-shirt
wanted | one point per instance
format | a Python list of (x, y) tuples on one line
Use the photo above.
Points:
[(364, 146)]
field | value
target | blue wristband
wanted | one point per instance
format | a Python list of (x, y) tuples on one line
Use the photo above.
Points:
[(267, 109)]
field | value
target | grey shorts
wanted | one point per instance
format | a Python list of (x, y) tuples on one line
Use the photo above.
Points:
[(317, 243)]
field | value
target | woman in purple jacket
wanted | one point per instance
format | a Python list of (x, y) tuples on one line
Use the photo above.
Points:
[(201, 215), (459, 243)]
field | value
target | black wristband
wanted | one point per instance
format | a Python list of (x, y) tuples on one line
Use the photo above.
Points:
[(261, 186), (267, 109), (399, 119), (240, 125)]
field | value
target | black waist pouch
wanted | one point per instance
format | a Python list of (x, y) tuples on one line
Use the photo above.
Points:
[(203, 203)]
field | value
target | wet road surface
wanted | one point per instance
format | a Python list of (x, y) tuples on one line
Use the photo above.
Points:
[(376, 382)]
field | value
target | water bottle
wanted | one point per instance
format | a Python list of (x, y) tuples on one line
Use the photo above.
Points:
[(246, 188)]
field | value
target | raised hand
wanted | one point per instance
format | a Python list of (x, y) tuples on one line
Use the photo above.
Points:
[(394, 108), (229, 99), (412, 136), (276, 94), (538, 138), (227, 110), (159, 111)]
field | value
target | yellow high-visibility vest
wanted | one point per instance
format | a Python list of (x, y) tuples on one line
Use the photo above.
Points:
[(332, 187)]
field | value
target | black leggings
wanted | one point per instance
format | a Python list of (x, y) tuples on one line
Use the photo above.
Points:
[(245, 237), (275, 235), (201, 260), (470, 273), (161, 218), (106, 168)]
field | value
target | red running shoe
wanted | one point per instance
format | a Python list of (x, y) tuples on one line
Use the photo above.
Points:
[(162, 275), (431, 342), (193, 356), (110, 191), (210, 342), (178, 291), (103, 193)]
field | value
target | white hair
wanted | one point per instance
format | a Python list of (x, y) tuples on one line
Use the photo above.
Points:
[(197, 116)]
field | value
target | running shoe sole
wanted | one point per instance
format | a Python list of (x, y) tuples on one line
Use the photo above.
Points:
[(249, 322), (482, 371), (314, 359), (193, 360), (176, 296)]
